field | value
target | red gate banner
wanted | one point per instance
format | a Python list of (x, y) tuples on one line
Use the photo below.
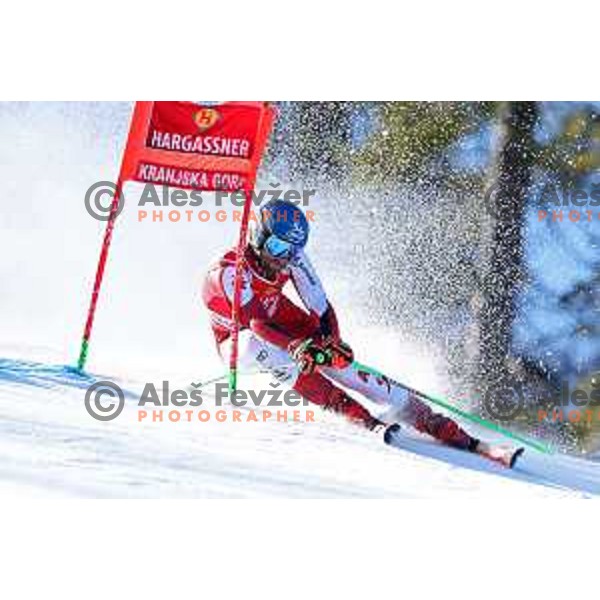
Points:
[(193, 146)]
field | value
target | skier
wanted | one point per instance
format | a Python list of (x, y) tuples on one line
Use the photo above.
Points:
[(303, 347)]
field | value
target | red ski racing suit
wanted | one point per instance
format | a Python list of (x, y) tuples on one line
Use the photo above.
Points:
[(271, 324)]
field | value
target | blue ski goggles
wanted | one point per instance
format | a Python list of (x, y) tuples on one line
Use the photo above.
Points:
[(279, 248)]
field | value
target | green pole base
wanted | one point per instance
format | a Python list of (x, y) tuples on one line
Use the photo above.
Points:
[(232, 381), (82, 355)]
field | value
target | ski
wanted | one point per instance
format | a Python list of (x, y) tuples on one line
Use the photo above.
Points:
[(502, 454)]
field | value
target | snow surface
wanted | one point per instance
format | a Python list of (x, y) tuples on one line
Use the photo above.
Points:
[(51, 447), (151, 326)]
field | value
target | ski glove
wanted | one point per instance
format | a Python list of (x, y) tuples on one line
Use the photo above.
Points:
[(341, 355), (310, 354)]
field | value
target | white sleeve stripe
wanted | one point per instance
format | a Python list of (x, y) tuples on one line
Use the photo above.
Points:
[(228, 283), (307, 284)]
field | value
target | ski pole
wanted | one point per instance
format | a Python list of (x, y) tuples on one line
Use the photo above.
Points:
[(464, 414)]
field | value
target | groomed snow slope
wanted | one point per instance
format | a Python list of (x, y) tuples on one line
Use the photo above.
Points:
[(50, 446)]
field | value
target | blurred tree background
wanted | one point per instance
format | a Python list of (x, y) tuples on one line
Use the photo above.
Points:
[(498, 293)]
